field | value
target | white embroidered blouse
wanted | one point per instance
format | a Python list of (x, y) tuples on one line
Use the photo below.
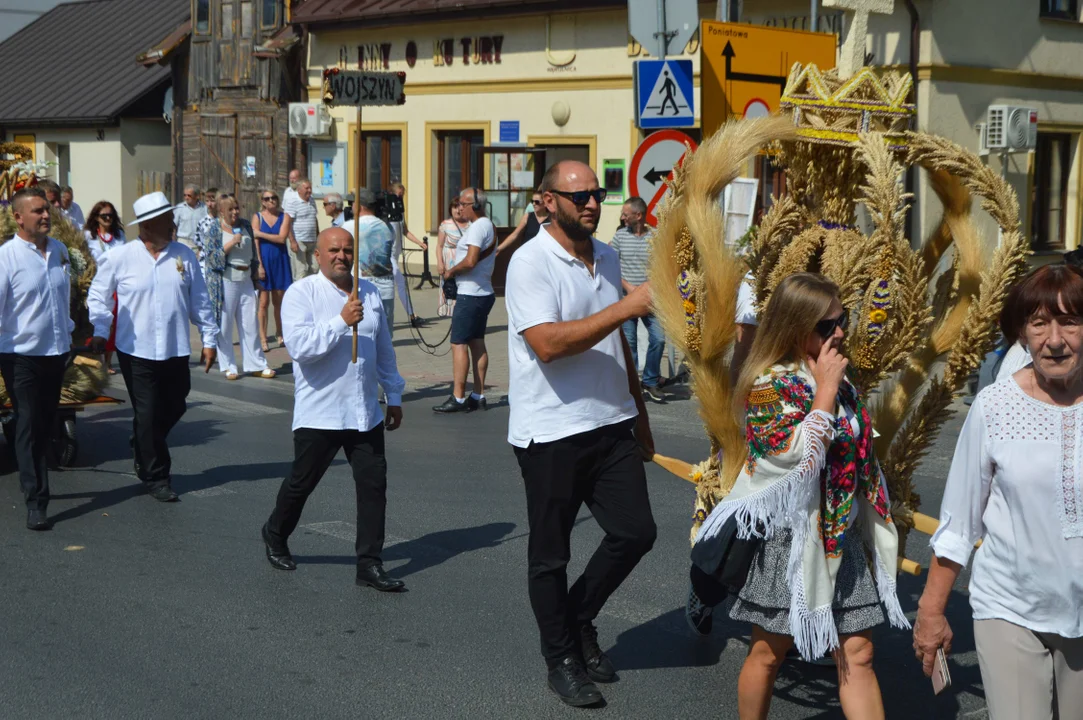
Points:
[(1015, 483)]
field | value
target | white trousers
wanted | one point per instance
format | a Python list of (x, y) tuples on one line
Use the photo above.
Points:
[(239, 310), (400, 287)]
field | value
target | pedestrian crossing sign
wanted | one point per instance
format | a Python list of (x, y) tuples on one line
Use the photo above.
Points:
[(664, 94)]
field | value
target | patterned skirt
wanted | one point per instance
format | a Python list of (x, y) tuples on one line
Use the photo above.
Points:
[(765, 598)]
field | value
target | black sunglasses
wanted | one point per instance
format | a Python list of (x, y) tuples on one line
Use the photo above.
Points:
[(826, 328), (106, 216), (269, 198), (580, 197)]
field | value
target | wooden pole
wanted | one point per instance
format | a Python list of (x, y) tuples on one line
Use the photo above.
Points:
[(357, 225)]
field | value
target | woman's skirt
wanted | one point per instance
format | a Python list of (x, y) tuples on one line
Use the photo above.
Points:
[(765, 598), (276, 265)]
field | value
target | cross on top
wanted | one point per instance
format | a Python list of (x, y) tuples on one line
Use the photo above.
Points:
[(852, 53)]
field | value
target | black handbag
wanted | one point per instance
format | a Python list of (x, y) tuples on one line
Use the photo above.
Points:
[(720, 564)]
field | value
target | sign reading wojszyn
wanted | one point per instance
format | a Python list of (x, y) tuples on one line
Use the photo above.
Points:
[(361, 88)]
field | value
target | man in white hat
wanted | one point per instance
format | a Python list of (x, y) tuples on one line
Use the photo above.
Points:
[(35, 337), (159, 291)]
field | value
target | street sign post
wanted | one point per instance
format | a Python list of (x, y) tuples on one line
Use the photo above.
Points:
[(664, 93), (662, 24), (745, 68), (653, 164)]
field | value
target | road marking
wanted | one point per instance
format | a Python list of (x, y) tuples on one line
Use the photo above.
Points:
[(231, 406), (211, 492), (346, 531)]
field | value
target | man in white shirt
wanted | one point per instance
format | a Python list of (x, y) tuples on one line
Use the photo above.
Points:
[(578, 424), (332, 208), (35, 337), (186, 217), (159, 290), (336, 404), (303, 229), (290, 193), (472, 275), (71, 208)]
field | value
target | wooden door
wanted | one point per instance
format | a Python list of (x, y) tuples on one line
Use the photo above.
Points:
[(234, 42), (218, 140), (256, 151)]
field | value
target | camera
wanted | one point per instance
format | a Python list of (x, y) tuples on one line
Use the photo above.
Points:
[(388, 207)]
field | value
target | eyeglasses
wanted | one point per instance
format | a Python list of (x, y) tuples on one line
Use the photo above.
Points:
[(826, 328), (580, 197), (105, 216), (271, 198)]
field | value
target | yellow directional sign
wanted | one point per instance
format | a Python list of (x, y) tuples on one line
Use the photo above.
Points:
[(745, 67)]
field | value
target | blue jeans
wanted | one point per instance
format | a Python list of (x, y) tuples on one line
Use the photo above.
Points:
[(656, 347)]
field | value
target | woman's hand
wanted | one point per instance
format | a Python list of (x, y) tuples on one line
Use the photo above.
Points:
[(440, 269), (829, 368), (931, 632), (262, 273)]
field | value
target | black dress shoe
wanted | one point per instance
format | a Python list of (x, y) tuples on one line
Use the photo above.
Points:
[(451, 405), (474, 404), (278, 555), (163, 493), (570, 683), (599, 666), (37, 520), (376, 577)]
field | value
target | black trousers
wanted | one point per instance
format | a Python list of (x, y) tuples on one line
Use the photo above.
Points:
[(158, 389), (313, 452), (602, 468), (33, 383)]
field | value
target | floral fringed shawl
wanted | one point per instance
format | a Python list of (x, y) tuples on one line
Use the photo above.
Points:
[(805, 470)]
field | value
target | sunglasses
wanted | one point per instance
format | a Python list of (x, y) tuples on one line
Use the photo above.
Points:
[(826, 328), (580, 197), (272, 198), (105, 216), (535, 202)]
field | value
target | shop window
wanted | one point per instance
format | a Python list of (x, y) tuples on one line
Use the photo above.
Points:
[(459, 166), (269, 16), (1060, 9), (1049, 201), (202, 15), (381, 160)]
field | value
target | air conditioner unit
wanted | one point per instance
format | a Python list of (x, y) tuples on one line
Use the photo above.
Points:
[(309, 120), (983, 138), (1012, 128)]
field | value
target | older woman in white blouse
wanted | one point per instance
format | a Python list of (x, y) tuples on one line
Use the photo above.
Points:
[(1016, 484)]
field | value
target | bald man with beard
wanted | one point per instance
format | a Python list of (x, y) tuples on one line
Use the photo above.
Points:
[(336, 404)]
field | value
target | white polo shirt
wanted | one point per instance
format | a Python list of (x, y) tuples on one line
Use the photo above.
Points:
[(575, 394), (478, 281)]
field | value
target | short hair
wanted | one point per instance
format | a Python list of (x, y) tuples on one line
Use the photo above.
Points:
[(66, 189), (455, 202), (303, 181), (211, 191), (366, 199), (227, 201), (48, 186), (333, 197), (29, 192), (194, 188), (396, 186), (637, 204), (1044, 289), (479, 195)]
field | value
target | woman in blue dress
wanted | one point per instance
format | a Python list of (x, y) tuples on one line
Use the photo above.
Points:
[(271, 228)]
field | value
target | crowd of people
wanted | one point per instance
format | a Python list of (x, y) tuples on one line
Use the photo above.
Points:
[(821, 559)]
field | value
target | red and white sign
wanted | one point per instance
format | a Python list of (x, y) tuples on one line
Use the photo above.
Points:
[(653, 164)]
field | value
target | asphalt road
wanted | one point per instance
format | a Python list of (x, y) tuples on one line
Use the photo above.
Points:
[(134, 609)]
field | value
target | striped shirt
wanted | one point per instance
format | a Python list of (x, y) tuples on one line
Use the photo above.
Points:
[(635, 254), (303, 215)]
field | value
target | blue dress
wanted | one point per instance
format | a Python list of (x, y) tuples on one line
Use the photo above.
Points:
[(275, 258)]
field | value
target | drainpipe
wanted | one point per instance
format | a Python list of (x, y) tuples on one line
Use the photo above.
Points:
[(814, 10), (915, 50)]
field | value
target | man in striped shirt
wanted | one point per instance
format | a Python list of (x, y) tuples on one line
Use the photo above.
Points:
[(303, 230), (632, 242)]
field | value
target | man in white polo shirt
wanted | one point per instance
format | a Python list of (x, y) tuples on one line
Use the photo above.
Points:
[(578, 424), (303, 229)]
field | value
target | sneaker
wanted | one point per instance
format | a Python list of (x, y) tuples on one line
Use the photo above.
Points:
[(700, 617), (570, 683), (599, 666), (655, 394)]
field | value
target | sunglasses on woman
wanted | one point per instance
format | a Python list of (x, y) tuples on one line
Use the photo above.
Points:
[(272, 198), (580, 197), (826, 328), (106, 216)]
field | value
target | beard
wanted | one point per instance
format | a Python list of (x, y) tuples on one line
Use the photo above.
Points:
[(573, 226)]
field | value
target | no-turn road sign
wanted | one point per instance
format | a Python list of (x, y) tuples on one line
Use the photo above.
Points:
[(653, 164)]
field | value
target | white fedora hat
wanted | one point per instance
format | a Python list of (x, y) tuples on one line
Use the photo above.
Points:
[(150, 206)]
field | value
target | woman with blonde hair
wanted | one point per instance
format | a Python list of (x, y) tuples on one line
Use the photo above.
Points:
[(812, 489), (271, 230)]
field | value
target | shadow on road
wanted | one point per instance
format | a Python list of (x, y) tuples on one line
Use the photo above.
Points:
[(667, 642)]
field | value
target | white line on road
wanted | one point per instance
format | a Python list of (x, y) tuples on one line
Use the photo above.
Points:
[(211, 492), (231, 406), (346, 531)]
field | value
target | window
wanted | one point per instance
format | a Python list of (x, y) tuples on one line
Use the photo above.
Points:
[(1061, 9), (269, 17), (381, 160), (458, 166), (246, 19), (225, 28), (203, 17), (1049, 203)]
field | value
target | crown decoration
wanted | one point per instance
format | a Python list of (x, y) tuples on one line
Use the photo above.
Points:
[(829, 110)]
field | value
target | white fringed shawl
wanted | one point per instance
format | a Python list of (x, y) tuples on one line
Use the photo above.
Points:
[(782, 485)]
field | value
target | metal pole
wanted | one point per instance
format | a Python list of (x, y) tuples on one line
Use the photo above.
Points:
[(722, 11), (814, 10), (357, 228), (661, 35)]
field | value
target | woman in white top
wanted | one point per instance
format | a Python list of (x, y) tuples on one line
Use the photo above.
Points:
[(1016, 484), (232, 257), (104, 232)]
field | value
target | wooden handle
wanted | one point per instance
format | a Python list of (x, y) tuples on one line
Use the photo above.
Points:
[(357, 227), (909, 566), (678, 467), (925, 524)]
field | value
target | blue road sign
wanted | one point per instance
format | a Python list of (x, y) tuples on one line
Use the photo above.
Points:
[(664, 94)]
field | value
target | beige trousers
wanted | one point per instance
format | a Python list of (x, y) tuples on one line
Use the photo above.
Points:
[(302, 264), (1029, 675)]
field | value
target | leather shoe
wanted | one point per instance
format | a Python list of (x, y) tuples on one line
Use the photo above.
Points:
[(163, 493), (376, 577), (451, 405), (599, 666), (473, 404), (279, 557), (37, 520), (570, 683)]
